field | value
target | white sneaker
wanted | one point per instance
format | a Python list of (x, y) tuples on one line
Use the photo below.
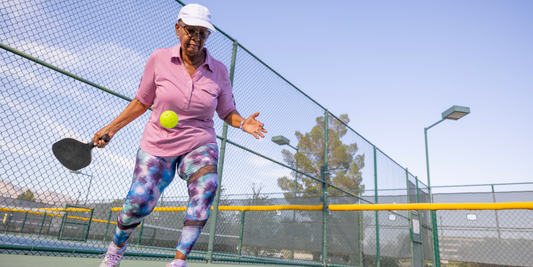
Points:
[(176, 263), (113, 256)]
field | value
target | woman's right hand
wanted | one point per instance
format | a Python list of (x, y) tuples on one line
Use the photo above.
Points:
[(134, 109), (101, 143)]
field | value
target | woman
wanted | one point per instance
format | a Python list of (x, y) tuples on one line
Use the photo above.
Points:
[(189, 81)]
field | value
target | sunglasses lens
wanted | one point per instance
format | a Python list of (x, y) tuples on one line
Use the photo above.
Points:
[(192, 33)]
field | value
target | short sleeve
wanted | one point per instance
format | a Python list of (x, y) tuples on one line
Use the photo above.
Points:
[(146, 90), (226, 102)]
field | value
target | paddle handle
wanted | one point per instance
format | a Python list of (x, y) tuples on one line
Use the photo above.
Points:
[(106, 139)]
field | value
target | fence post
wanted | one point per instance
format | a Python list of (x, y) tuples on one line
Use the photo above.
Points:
[(107, 225), (435, 237), (140, 233), (361, 245), (325, 193), (435, 233), (213, 226), (410, 217), (24, 222), (496, 213), (421, 224), (49, 225), (89, 225), (241, 233), (378, 261), (42, 224)]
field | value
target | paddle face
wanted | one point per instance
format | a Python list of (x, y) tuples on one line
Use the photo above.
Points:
[(74, 154)]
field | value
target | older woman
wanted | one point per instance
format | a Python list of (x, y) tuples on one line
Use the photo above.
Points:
[(189, 81)]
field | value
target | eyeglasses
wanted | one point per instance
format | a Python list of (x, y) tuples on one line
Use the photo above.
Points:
[(192, 32)]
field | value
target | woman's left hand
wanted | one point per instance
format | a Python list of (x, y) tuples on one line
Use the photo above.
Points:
[(253, 126)]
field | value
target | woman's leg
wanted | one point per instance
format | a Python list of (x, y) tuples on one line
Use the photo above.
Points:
[(199, 168), (151, 176)]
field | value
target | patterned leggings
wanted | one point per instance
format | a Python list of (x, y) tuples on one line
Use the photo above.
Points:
[(153, 174)]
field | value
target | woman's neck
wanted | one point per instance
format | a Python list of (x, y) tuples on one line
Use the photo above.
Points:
[(193, 60)]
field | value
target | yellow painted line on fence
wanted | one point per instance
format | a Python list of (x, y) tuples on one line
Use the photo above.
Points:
[(351, 207), (47, 209), (158, 209), (436, 206), (243, 208), (271, 208), (55, 215), (69, 209)]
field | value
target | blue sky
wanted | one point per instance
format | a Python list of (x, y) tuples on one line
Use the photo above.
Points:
[(395, 66)]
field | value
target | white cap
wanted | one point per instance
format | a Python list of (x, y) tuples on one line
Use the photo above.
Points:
[(196, 15)]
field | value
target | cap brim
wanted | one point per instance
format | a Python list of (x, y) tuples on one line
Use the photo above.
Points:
[(198, 22)]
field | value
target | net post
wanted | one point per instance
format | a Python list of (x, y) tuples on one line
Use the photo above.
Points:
[(213, 225), (378, 261), (325, 193)]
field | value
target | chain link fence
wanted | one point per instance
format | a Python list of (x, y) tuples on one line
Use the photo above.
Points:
[(69, 68), (486, 237)]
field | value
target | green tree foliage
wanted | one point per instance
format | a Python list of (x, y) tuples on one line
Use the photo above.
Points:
[(344, 165), (28, 196)]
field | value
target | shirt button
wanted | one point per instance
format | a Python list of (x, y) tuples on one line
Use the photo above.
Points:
[(190, 81)]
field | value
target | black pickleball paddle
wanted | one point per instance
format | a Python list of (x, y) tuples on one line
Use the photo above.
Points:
[(75, 154)]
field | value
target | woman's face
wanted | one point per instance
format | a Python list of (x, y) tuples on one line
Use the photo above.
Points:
[(192, 38)]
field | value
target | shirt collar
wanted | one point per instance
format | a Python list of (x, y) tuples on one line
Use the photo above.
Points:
[(208, 59)]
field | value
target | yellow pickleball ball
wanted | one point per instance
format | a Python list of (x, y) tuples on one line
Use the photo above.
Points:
[(169, 119)]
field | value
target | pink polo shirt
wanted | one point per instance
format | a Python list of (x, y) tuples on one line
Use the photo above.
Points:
[(167, 85)]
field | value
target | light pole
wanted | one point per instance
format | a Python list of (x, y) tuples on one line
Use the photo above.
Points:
[(282, 140), (90, 182), (453, 113)]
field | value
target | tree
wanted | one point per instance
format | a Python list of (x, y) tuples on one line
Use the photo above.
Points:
[(344, 166), (28, 196)]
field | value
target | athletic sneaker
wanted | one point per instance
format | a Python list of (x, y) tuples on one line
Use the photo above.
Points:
[(177, 263), (113, 256)]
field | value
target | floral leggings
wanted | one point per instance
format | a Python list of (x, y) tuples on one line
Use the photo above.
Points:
[(153, 174)]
